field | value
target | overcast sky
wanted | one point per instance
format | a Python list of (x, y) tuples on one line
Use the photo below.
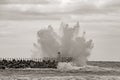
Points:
[(21, 19)]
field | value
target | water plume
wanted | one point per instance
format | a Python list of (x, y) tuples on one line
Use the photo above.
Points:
[(68, 41)]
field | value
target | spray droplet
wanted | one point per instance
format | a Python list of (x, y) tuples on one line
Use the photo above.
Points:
[(70, 43)]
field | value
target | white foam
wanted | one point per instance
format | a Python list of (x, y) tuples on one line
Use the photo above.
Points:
[(64, 66)]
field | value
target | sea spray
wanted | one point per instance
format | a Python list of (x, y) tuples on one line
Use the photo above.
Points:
[(64, 66), (68, 41)]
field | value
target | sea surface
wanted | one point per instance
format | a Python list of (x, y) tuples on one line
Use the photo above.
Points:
[(90, 73)]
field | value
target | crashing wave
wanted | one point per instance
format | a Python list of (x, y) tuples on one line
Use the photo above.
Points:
[(64, 66)]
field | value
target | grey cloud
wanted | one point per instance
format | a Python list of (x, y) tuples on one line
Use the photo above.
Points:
[(26, 16), (4, 34), (113, 4), (24, 1), (90, 6), (56, 10), (103, 7)]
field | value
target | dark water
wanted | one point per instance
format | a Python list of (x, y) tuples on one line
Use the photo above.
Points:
[(111, 71)]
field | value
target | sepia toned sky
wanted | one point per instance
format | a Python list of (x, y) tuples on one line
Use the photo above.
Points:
[(21, 19)]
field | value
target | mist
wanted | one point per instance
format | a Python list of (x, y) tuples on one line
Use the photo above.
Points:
[(69, 41)]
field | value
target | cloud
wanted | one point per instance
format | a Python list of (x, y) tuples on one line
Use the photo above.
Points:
[(6, 34), (113, 4), (24, 1), (65, 6), (93, 6), (55, 9)]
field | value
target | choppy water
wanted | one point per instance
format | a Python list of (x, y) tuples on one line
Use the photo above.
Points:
[(88, 73), (63, 78)]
